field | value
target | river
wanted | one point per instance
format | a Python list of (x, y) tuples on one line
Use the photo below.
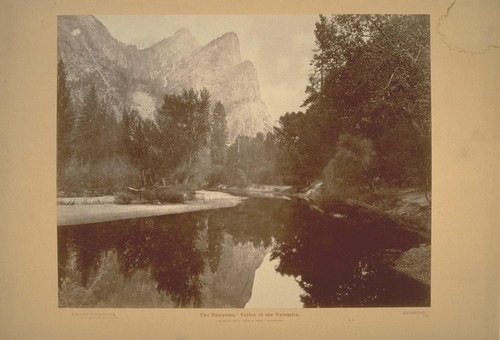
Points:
[(263, 253)]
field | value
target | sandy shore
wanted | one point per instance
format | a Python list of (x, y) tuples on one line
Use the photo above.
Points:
[(85, 200), (94, 213)]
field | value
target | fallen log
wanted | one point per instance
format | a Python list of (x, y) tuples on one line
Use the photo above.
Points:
[(135, 190)]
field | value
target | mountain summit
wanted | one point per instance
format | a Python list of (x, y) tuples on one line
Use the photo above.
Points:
[(139, 78)]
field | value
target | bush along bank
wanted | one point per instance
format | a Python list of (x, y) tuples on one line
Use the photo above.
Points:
[(160, 195)]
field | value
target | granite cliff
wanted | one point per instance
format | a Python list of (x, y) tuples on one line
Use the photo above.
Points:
[(139, 78)]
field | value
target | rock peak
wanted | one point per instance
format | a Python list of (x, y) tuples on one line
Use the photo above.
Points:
[(227, 44), (229, 37), (182, 41), (182, 32)]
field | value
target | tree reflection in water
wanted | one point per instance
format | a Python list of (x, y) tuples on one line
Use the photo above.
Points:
[(215, 236), (254, 220), (166, 249), (340, 265), (187, 256)]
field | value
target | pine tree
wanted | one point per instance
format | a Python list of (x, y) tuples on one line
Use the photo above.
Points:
[(88, 129), (124, 131), (219, 135), (65, 120)]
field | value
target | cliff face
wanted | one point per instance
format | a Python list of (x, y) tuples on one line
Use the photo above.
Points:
[(127, 76), (92, 56)]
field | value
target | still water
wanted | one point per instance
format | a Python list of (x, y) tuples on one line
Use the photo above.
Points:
[(263, 253)]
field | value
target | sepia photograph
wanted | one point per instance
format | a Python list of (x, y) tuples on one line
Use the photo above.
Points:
[(208, 170), (243, 161)]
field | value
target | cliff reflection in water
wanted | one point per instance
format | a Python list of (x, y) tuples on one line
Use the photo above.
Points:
[(209, 259)]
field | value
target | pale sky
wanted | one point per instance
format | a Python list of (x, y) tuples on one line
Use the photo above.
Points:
[(280, 46)]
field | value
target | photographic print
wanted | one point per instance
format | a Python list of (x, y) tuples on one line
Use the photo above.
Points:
[(244, 161)]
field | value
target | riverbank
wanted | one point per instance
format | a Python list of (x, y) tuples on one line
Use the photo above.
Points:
[(72, 211), (85, 200), (416, 263), (410, 209)]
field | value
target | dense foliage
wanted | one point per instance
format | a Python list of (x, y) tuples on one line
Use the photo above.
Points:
[(65, 120), (252, 160), (370, 80), (101, 154)]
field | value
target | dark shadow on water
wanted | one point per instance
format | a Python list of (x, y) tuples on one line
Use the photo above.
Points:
[(345, 265), (191, 259)]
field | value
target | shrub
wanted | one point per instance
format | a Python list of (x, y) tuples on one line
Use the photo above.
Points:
[(215, 176), (103, 178), (267, 174), (347, 173), (169, 195), (123, 197), (165, 195), (149, 196), (188, 191)]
